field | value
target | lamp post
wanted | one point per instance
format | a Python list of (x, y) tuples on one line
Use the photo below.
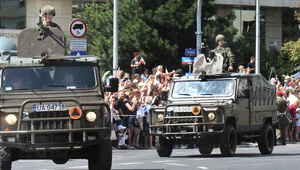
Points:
[(257, 48), (115, 38), (198, 33)]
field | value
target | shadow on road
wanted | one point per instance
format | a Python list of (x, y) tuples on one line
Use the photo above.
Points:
[(237, 155)]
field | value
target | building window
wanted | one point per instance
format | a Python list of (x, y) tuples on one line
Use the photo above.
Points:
[(22, 3), (21, 25)]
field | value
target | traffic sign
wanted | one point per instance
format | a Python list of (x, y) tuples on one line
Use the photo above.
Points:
[(78, 28), (78, 44), (78, 53), (187, 60), (190, 52)]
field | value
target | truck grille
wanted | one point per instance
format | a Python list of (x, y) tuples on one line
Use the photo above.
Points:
[(45, 124), (182, 117)]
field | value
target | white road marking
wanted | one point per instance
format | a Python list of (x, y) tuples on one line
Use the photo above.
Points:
[(163, 161), (202, 167), (176, 164), (78, 167), (130, 163)]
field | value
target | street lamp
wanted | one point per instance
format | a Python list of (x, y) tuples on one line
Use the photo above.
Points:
[(115, 38), (257, 48), (198, 33)]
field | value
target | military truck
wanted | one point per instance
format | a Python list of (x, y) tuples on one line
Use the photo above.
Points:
[(216, 109), (52, 105)]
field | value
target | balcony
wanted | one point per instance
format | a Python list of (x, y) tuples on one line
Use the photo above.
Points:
[(12, 12), (263, 3)]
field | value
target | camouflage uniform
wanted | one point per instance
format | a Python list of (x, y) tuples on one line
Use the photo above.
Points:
[(283, 117), (226, 53)]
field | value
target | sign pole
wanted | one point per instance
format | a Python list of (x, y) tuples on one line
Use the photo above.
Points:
[(115, 38), (190, 68)]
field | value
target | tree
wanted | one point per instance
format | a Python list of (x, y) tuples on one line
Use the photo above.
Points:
[(159, 30)]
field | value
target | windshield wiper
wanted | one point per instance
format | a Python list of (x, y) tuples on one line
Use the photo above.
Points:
[(56, 85), (206, 94), (26, 88), (59, 85), (184, 94)]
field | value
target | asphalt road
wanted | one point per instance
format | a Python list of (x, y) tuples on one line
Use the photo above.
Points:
[(247, 158)]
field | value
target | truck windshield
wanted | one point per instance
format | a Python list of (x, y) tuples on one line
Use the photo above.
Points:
[(207, 88), (48, 78)]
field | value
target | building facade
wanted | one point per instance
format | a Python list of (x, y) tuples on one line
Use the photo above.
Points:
[(271, 16)]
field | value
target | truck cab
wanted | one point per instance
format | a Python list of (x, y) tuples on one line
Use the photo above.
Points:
[(216, 110), (52, 105)]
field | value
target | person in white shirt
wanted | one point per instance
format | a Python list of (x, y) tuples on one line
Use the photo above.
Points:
[(144, 76)]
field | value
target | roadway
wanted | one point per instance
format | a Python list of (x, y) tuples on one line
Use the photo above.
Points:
[(247, 157)]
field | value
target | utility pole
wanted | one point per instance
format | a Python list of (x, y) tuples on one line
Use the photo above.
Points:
[(199, 33), (115, 38), (257, 48)]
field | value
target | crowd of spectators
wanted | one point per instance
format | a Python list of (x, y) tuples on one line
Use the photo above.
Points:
[(288, 106), (137, 94)]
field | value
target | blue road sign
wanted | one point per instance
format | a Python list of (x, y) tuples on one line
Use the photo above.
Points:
[(190, 52), (78, 53), (187, 60)]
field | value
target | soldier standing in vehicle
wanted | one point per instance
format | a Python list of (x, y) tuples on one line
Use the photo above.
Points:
[(226, 52), (46, 15)]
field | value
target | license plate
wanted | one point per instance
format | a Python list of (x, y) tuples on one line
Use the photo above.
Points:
[(49, 107), (183, 109)]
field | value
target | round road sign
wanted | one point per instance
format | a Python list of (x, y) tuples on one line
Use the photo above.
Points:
[(78, 28)]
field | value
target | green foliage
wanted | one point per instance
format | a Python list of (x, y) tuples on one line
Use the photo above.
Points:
[(159, 30), (289, 57)]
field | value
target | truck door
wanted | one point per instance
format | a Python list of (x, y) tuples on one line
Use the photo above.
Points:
[(243, 102)]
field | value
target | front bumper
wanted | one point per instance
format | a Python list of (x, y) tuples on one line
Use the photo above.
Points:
[(68, 136)]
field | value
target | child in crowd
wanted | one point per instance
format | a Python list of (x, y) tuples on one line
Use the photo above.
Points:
[(122, 137)]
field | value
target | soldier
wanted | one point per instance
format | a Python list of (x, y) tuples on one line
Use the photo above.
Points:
[(225, 52), (46, 15), (283, 116)]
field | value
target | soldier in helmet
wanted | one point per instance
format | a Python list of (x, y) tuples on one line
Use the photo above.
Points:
[(225, 52), (47, 13)]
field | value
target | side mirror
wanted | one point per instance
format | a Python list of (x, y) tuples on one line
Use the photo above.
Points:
[(113, 85)]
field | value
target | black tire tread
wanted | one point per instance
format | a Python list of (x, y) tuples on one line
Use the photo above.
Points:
[(5, 158), (104, 156), (164, 147), (205, 150), (262, 141), (224, 137)]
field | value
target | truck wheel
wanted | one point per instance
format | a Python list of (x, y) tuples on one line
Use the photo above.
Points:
[(5, 158), (266, 140), (228, 141), (101, 156), (60, 161), (206, 149), (163, 146)]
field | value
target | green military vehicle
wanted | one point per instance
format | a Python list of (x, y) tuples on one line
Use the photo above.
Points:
[(52, 105), (211, 110)]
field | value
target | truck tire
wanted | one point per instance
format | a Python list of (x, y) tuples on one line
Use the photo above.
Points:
[(163, 146), (206, 149), (5, 158), (228, 141), (266, 140), (101, 156)]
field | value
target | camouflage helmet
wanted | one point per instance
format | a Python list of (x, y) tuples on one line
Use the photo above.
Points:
[(48, 9), (220, 37)]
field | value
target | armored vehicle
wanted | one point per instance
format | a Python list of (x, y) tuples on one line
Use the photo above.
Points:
[(52, 105), (216, 110)]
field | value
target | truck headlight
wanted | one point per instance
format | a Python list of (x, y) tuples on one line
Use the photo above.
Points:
[(160, 117), (211, 116), (91, 116), (11, 119)]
